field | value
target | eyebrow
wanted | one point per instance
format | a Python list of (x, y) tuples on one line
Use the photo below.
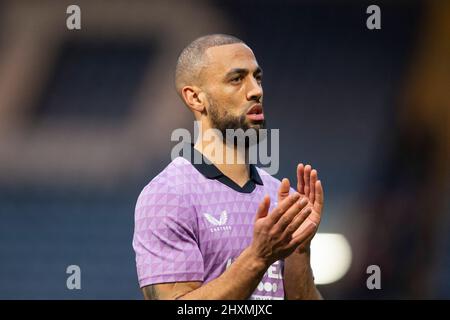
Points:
[(242, 71)]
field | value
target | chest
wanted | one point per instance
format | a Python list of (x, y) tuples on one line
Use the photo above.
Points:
[(225, 220)]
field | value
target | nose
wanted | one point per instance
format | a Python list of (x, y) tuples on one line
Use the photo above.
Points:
[(254, 90)]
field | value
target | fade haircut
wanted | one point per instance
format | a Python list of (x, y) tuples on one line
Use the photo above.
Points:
[(191, 60)]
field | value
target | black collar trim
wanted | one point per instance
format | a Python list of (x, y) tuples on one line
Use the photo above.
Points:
[(210, 171)]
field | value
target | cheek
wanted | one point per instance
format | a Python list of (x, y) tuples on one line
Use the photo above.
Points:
[(229, 99)]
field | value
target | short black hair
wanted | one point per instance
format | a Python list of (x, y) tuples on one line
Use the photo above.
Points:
[(190, 61)]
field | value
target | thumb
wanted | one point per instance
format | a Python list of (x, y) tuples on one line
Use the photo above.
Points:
[(283, 190), (263, 208)]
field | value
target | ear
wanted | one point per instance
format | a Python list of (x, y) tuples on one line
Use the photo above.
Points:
[(194, 98)]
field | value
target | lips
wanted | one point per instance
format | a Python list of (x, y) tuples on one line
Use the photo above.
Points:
[(256, 113)]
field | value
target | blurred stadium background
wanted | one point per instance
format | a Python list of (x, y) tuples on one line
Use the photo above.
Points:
[(86, 118)]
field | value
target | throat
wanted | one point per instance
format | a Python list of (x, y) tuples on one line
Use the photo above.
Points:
[(238, 173), (227, 159)]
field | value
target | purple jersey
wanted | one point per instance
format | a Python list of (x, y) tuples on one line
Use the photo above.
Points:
[(192, 222)]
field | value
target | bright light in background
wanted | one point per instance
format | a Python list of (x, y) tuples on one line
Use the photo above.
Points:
[(331, 256)]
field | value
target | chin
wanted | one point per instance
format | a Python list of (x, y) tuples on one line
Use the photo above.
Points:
[(256, 125)]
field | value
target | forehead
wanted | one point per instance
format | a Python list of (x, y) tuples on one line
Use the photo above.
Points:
[(230, 56)]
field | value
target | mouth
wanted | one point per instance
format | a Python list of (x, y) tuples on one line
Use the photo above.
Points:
[(256, 112)]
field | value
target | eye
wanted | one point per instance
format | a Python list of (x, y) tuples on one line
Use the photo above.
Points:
[(258, 78), (236, 80)]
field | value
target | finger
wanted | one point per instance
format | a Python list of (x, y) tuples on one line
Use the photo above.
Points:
[(312, 184), (309, 239), (283, 190), (297, 221), (263, 208), (306, 177), (318, 203), (283, 206), (302, 237), (305, 225), (300, 182), (290, 214)]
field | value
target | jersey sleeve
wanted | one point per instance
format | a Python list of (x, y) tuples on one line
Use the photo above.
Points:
[(165, 237)]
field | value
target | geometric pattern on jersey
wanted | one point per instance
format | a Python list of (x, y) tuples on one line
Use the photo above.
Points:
[(191, 224)]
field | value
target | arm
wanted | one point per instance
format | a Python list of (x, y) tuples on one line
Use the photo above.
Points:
[(298, 275), (298, 278), (237, 283), (272, 241)]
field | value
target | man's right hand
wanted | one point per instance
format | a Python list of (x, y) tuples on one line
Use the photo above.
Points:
[(272, 234)]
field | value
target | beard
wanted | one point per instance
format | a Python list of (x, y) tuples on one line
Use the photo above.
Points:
[(222, 120)]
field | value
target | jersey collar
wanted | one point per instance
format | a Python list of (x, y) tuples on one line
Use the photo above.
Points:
[(210, 171)]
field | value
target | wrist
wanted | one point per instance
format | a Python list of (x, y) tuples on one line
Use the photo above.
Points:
[(300, 259), (255, 262), (304, 248)]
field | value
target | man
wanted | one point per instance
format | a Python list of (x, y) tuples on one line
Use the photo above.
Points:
[(225, 230)]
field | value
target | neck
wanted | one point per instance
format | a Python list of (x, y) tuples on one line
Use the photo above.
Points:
[(226, 157)]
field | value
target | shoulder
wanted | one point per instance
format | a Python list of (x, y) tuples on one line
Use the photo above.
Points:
[(172, 182), (175, 174), (270, 182), (267, 179)]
